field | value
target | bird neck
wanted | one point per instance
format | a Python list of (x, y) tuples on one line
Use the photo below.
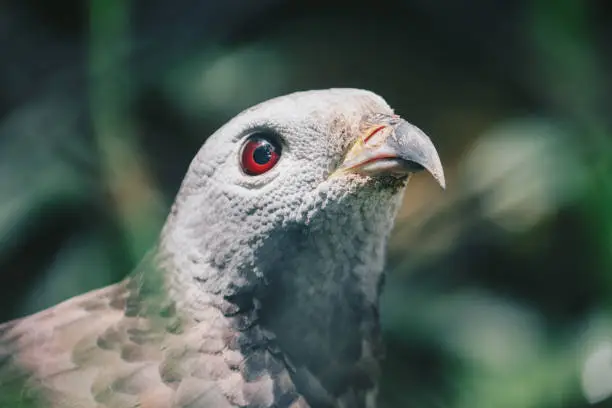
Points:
[(321, 303), (311, 286)]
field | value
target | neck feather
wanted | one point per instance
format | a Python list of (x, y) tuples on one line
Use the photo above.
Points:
[(312, 286)]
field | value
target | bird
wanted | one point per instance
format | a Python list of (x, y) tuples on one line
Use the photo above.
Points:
[(263, 287)]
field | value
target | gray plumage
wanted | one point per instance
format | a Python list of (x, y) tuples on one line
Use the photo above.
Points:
[(262, 291)]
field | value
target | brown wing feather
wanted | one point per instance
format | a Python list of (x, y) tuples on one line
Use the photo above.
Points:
[(125, 346), (115, 347), (56, 352)]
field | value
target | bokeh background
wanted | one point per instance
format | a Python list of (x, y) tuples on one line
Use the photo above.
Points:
[(500, 289)]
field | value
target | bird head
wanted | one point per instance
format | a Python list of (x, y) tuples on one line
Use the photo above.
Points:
[(296, 194)]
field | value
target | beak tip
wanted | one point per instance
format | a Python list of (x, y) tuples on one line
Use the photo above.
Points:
[(440, 179), (442, 184), (433, 165)]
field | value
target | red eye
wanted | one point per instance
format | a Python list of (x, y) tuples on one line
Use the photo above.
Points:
[(259, 155)]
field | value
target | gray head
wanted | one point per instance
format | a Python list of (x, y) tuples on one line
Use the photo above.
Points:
[(290, 204)]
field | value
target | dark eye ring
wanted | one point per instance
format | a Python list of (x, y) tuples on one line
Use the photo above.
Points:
[(260, 153)]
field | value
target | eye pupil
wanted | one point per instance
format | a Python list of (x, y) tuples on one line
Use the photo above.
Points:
[(263, 153)]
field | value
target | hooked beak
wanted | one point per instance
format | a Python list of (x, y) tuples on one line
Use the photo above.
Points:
[(390, 145)]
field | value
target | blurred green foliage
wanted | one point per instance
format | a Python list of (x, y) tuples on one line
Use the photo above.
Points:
[(499, 289)]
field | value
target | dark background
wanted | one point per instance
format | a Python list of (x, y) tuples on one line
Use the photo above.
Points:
[(499, 288)]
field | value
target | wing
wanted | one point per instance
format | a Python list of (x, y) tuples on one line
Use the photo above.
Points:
[(38, 352), (125, 346), (84, 352)]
